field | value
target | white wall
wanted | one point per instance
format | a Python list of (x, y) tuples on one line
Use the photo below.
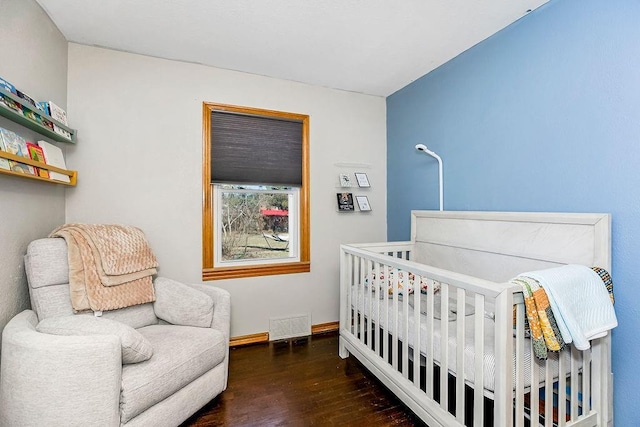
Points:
[(34, 58), (139, 157)]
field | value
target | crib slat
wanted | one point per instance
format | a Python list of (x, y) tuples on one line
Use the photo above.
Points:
[(444, 346), (503, 403), (369, 317), (364, 300), (429, 338), (460, 346), (519, 363), (416, 331), (601, 393), (548, 392), (535, 385), (478, 389), (586, 380), (405, 324), (360, 298), (562, 388), (574, 382), (347, 291), (601, 397), (367, 271), (376, 319), (385, 333), (394, 296)]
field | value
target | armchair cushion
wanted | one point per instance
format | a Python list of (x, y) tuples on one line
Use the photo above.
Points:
[(181, 355), (135, 347), (183, 305)]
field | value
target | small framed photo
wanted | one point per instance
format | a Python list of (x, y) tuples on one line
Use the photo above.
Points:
[(345, 202), (345, 180), (363, 203), (362, 179)]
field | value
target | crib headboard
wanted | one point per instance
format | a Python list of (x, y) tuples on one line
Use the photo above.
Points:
[(498, 246)]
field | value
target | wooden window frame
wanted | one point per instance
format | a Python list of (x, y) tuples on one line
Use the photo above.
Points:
[(213, 272)]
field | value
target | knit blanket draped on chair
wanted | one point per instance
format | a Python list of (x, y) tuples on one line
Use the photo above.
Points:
[(110, 266)]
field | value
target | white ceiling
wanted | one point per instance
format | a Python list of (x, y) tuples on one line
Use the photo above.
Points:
[(374, 47)]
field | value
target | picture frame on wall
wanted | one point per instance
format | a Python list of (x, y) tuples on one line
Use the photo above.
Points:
[(345, 202), (363, 203), (362, 179), (345, 180)]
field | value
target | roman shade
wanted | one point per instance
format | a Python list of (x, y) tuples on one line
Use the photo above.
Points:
[(250, 149)]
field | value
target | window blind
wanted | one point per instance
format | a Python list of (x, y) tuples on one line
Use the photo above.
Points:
[(248, 149)]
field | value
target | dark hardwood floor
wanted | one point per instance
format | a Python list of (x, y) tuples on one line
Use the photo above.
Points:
[(301, 383)]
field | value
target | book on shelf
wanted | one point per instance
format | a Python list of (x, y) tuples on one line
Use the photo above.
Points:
[(44, 107), (25, 153), (58, 113), (9, 103), (31, 115), (4, 163), (57, 129), (7, 86), (26, 98), (21, 167), (54, 157), (15, 144), (47, 123), (54, 111), (12, 143), (36, 153)]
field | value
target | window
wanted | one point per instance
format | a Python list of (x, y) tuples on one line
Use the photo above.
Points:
[(255, 192), (254, 224)]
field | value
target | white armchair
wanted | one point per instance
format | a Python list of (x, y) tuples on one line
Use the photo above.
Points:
[(60, 368)]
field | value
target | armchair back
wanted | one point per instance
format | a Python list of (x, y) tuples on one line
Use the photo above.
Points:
[(47, 268)]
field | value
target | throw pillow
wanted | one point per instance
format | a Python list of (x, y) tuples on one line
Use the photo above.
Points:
[(183, 305), (397, 277), (135, 347)]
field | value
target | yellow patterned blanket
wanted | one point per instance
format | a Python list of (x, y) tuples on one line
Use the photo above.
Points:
[(542, 325), (110, 266)]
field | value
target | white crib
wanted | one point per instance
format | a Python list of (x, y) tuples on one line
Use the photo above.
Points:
[(495, 380)]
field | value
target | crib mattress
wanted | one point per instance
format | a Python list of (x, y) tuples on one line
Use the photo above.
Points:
[(374, 305)]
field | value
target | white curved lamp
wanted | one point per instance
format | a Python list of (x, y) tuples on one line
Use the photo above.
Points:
[(424, 149)]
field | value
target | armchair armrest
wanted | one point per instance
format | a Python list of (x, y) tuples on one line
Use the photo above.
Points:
[(221, 317), (58, 380)]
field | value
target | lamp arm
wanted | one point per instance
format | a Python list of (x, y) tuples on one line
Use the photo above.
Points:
[(423, 148), (440, 181)]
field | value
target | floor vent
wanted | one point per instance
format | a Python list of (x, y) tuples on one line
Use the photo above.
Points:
[(289, 327)]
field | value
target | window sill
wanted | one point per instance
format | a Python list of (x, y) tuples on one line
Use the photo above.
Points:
[(255, 271)]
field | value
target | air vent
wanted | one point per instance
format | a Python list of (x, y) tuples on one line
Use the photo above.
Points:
[(289, 327)]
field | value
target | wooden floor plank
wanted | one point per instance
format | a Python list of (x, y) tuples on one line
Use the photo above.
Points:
[(301, 383)]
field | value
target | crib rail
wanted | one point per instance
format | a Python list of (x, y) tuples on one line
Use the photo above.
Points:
[(456, 352)]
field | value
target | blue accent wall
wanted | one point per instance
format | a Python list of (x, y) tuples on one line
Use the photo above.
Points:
[(542, 116)]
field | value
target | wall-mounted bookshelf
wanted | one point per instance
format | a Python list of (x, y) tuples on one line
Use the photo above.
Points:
[(19, 118), (73, 175)]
